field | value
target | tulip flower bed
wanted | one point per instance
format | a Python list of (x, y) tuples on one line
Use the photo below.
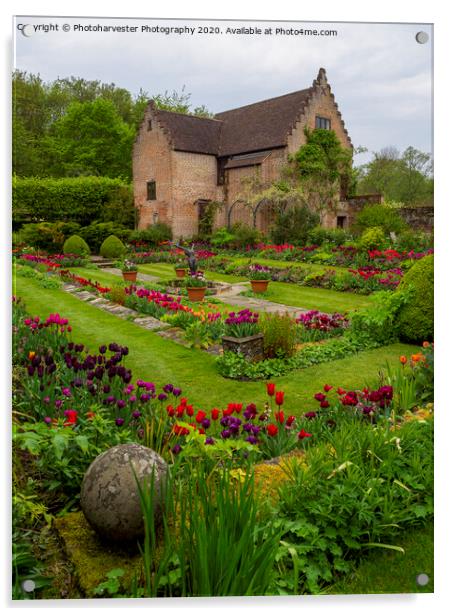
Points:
[(71, 403), (316, 325)]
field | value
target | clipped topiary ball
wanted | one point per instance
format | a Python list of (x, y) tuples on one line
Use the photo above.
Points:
[(416, 317), (76, 245), (112, 247)]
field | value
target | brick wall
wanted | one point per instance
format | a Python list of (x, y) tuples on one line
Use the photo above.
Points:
[(194, 177), (152, 161)]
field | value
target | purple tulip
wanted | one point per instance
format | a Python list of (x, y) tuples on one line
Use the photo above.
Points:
[(177, 392), (47, 420), (136, 414), (119, 421), (176, 449)]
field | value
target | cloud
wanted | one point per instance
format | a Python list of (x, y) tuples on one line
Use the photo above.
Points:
[(381, 77)]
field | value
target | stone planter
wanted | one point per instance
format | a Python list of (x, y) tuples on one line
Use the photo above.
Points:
[(130, 276), (180, 272), (251, 347), (259, 286), (196, 294)]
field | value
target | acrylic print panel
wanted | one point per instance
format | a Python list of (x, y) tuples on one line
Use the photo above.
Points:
[(223, 308)]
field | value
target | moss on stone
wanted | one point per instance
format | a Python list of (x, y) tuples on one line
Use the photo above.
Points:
[(93, 558), (269, 476)]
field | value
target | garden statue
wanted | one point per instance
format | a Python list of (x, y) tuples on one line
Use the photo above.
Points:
[(191, 258)]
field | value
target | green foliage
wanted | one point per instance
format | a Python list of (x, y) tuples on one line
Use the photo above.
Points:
[(235, 366), (373, 238), (46, 236), (379, 322), (319, 235), (76, 245), (353, 494), (47, 281), (405, 178), (293, 225), (112, 584), (380, 216), (244, 236), (415, 319), (154, 234), (95, 233), (222, 237), (117, 294), (80, 200), (61, 455), (280, 335), (91, 139), (414, 240), (197, 335), (224, 547), (112, 247), (207, 219)]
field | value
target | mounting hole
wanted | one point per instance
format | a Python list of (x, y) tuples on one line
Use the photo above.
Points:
[(422, 37), (422, 579)]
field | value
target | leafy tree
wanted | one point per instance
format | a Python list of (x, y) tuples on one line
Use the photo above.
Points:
[(406, 178), (92, 139)]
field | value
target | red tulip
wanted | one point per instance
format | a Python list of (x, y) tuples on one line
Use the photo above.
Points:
[(327, 388), (303, 434), (215, 414), (189, 410), (170, 410), (324, 404), (280, 417), (200, 415), (272, 430), (341, 391), (270, 389), (290, 420), (279, 397)]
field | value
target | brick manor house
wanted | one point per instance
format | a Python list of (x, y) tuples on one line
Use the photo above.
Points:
[(182, 162)]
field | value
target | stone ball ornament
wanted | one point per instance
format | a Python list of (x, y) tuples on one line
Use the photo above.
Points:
[(109, 495)]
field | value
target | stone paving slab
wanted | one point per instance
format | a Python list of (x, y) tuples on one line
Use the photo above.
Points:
[(151, 323), (176, 334)]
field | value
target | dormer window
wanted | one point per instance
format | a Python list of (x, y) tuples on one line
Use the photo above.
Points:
[(322, 123)]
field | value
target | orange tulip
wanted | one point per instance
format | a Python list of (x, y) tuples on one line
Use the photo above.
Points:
[(403, 359), (31, 354), (426, 344)]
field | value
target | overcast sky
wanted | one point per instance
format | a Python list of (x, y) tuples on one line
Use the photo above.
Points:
[(380, 75)]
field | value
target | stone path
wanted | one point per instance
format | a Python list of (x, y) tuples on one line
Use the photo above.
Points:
[(232, 296), (165, 330)]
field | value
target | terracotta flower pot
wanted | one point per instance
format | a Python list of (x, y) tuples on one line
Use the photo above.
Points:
[(180, 272), (259, 286), (130, 276), (196, 294)]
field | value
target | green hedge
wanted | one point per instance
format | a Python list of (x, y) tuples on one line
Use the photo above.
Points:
[(81, 200), (416, 317)]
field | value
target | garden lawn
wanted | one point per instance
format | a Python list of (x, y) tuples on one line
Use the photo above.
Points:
[(166, 271), (388, 571), (313, 298), (312, 267), (160, 360), (99, 275)]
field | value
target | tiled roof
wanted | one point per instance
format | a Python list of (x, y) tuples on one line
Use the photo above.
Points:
[(191, 133), (262, 125)]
